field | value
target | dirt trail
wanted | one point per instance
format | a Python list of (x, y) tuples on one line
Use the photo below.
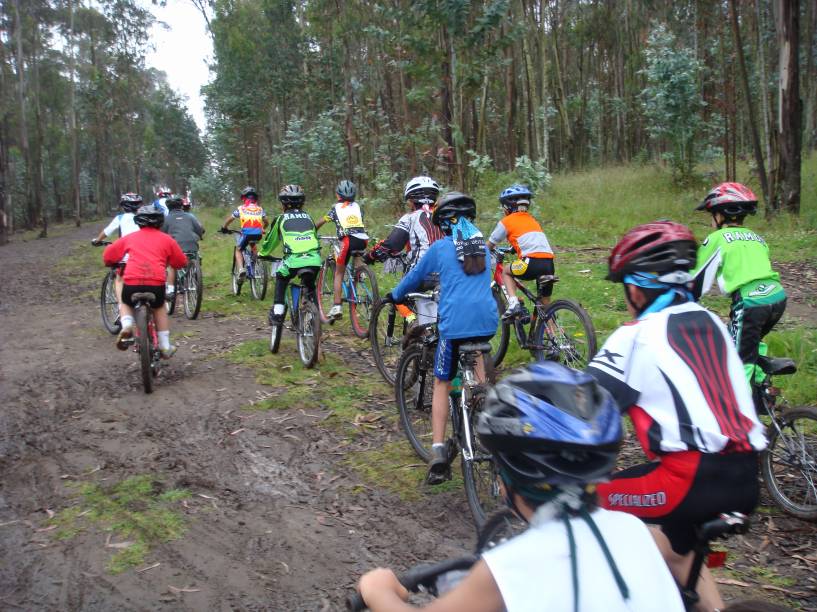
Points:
[(276, 521)]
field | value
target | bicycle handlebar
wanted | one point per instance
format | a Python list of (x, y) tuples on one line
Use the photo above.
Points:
[(424, 575), (99, 243)]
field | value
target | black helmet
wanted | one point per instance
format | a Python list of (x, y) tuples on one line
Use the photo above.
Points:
[(249, 192), (548, 424), (452, 205), (346, 190), (292, 196), (130, 202), (174, 202), (149, 216)]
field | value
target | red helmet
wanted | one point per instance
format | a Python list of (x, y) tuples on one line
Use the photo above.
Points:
[(659, 247), (730, 199)]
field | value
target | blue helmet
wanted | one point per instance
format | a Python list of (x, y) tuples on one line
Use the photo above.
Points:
[(515, 196), (549, 424)]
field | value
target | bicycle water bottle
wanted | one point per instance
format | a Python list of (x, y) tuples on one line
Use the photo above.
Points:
[(296, 296)]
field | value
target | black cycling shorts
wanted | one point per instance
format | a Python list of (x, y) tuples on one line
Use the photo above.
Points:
[(157, 290), (531, 268)]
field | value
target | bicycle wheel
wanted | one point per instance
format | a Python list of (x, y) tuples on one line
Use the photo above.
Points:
[(275, 337), (414, 384), (365, 296), (480, 474), (502, 337), (326, 288), (564, 333), (309, 332), (109, 305), (193, 289), (789, 464), (386, 331), (499, 527), (145, 348), (259, 280), (236, 279)]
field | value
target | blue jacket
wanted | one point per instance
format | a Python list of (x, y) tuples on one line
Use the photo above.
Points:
[(467, 308)]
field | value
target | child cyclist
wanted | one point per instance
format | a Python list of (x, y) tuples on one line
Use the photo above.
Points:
[(185, 229), (739, 259), (253, 222), (149, 252), (554, 433), (348, 220), (533, 252), (295, 232), (467, 310)]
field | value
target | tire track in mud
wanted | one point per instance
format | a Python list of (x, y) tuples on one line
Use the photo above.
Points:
[(274, 523)]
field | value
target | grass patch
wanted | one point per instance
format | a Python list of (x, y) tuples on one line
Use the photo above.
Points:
[(135, 511), (767, 575)]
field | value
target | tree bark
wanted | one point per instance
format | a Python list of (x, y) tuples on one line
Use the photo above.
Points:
[(789, 109), (24, 145), (73, 121)]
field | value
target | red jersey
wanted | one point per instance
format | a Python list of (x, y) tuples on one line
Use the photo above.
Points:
[(149, 253)]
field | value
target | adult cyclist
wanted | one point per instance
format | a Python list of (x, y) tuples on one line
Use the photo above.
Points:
[(414, 232), (162, 194), (675, 371), (554, 433), (253, 222), (185, 229)]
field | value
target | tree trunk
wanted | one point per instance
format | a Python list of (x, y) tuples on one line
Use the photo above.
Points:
[(21, 100), (810, 78), (73, 121), (789, 109)]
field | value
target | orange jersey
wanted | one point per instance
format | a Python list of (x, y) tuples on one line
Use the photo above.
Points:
[(251, 216), (525, 235)]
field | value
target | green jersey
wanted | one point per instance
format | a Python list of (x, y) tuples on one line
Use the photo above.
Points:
[(739, 260), (295, 234)]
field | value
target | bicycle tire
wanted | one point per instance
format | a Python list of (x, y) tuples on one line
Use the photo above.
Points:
[(365, 297), (145, 348), (479, 475), (170, 303), (499, 527), (275, 337), (387, 347), (259, 280), (309, 333), (193, 291), (236, 281), (502, 337), (109, 305), (326, 288), (413, 387), (575, 343), (789, 463)]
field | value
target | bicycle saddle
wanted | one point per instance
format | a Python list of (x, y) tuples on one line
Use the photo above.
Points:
[(304, 273), (726, 524), (475, 347), (773, 366), (147, 296), (547, 278)]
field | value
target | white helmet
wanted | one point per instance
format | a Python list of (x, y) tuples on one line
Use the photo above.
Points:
[(422, 189)]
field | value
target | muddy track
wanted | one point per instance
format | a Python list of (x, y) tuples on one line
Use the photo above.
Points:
[(276, 520)]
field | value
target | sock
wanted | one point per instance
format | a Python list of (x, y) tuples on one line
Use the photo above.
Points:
[(164, 340), (513, 302), (171, 289), (438, 446), (127, 321), (278, 309)]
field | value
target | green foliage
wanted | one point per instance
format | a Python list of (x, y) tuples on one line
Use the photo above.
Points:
[(533, 174)]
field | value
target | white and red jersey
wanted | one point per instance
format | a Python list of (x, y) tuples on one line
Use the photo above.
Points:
[(679, 375)]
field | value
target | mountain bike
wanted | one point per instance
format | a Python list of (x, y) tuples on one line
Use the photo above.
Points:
[(145, 339), (189, 286), (438, 578), (305, 320), (559, 331), (359, 288), (789, 463), (256, 271), (108, 303), (413, 390)]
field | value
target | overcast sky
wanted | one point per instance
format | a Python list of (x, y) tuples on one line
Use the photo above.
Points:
[(182, 50)]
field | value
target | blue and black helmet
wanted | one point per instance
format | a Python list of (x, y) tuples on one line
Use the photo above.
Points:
[(346, 190), (514, 196), (549, 424)]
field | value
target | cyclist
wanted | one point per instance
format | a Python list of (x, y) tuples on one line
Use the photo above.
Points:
[(253, 222), (295, 232), (416, 233), (534, 255), (185, 229), (467, 310), (554, 433), (677, 374), (739, 259), (348, 220), (162, 193), (149, 252)]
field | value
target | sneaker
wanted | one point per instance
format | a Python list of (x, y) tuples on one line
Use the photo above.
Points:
[(439, 468), (242, 274), (512, 311), (335, 313), (414, 334), (275, 319), (169, 352), (125, 338)]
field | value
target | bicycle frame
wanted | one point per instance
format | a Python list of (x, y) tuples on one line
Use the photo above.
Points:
[(347, 282), (525, 338)]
